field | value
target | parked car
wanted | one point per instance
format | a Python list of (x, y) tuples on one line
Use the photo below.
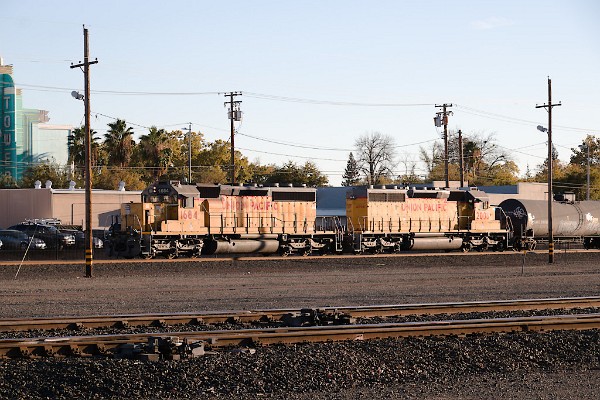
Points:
[(80, 238), (48, 233), (17, 240)]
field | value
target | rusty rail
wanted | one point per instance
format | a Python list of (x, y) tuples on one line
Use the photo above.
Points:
[(274, 315), (107, 345)]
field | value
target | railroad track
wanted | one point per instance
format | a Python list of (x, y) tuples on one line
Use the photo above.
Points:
[(176, 345), (222, 258), (326, 315)]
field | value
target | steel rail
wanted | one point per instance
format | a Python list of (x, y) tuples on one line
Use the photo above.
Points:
[(110, 344), (275, 315)]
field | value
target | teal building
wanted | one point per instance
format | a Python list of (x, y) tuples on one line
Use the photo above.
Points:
[(26, 138)]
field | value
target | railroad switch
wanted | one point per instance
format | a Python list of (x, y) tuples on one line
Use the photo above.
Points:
[(317, 317), (162, 348)]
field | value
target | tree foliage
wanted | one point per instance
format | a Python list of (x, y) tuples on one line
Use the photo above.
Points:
[(118, 143), (290, 172), (484, 161), (352, 173)]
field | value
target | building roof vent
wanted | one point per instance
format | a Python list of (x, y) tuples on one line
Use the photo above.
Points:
[(37, 184), (121, 186), (48, 184)]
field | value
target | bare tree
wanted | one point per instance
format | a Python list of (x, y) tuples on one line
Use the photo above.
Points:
[(375, 156)]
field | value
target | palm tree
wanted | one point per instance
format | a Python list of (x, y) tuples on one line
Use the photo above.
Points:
[(155, 151), (77, 147), (119, 143)]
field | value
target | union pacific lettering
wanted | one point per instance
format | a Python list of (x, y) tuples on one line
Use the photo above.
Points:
[(251, 203), (424, 206)]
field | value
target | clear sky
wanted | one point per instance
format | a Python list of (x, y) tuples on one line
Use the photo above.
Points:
[(315, 75)]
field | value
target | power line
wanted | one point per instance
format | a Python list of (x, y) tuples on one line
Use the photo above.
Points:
[(330, 102)]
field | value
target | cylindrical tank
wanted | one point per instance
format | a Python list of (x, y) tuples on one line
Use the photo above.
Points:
[(240, 246), (436, 243), (530, 217)]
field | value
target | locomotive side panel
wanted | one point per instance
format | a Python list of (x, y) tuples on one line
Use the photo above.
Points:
[(401, 215)]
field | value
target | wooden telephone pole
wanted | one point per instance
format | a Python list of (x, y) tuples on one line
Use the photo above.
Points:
[(88, 151), (442, 118), (234, 115), (548, 108)]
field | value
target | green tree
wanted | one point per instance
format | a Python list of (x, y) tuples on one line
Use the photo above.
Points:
[(155, 153), (108, 178), (484, 161), (352, 173), (259, 173), (213, 164), (118, 143), (45, 172), (8, 182), (77, 149), (290, 172)]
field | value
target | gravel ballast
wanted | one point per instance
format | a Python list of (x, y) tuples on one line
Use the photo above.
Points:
[(553, 365)]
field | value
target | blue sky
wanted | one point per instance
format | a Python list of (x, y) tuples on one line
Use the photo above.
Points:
[(370, 65)]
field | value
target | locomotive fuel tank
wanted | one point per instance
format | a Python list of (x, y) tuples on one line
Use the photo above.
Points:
[(435, 243), (243, 245), (530, 217)]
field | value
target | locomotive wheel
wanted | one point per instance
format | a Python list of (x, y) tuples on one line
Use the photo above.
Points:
[(466, 247), (500, 247), (172, 254)]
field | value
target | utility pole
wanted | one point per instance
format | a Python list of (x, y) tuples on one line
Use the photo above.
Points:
[(189, 135), (461, 159), (442, 118), (88, 153), (548, 108), (234, 115)]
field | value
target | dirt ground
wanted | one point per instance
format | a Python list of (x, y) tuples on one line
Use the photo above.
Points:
[(53, 289)]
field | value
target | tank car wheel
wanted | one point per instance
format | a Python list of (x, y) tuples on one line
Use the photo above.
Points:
[(500, 247), (466, 247), (148, 256), (305, 253)]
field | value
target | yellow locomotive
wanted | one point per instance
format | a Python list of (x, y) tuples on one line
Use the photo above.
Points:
[(176, 219), (392, 219)]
